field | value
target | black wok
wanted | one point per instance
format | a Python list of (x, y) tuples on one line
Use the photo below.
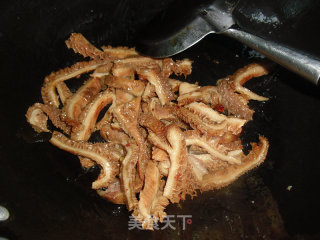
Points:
[(47, 193)]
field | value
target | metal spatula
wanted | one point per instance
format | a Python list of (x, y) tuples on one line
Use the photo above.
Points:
[(216, 16)]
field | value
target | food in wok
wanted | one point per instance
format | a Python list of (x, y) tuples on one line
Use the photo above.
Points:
[(164, 138)]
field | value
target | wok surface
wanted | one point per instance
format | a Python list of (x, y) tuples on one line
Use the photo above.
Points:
[(49, 196)]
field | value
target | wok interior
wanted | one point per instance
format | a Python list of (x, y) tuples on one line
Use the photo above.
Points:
[(48, 194)]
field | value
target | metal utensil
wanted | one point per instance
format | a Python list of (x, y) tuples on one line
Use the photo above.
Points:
[(216, 17)]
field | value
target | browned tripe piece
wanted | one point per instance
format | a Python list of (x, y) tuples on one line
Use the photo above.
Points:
[(135, 87), (207, 95), (225, 176), (119, 52), (128, 164), (161, 84), (237, 104), (37, 115), (76, 103), (127, 175), (162, 138), (90, 114), (245, 74), (64, 92), (101, 154), (179, 179), (121, 97), (127, 115), (48, 91), (148, 195), (81, 45)]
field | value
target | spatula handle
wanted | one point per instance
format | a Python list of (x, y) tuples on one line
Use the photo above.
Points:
[(301, 63)]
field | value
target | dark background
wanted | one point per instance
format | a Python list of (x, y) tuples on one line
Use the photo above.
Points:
[(49, 196)]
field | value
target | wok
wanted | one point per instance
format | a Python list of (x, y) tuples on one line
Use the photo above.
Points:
[(47, 193)]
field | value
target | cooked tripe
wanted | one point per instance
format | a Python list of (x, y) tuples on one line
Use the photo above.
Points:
[(164, 138)]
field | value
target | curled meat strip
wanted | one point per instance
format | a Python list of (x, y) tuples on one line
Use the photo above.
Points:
[(245, 74), (156, 130), (147, 196), (75, 104), (177, 185), (121, 97), (101, 154), (162, 86), (127, 115), (87, 119), (217, 120), (195, 121), (81, 45), (128, 164), (208, 95), (179, 179), (48, 91), (213, 148), (127, 175), (64, 92), (37, 115), (225, 176), (90, 114), (237, 104), (180, 67), (162, 138)]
